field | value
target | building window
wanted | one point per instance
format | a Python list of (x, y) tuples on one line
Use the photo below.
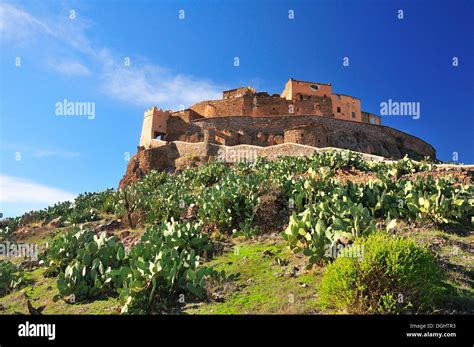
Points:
[(314, 87), (159, 136), (338, 97), (353, 114), (338, 109), (301, 97), (372, 120)]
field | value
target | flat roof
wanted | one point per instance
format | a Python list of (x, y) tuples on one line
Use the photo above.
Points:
[(354, 97), (326, 84), (370, 114), (231, 90)]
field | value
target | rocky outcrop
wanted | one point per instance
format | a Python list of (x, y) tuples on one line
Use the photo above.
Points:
[(175, 155), (143, 162), (244, 138)]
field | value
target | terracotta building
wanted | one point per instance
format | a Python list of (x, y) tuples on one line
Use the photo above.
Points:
[(298, 98), (305, 113)]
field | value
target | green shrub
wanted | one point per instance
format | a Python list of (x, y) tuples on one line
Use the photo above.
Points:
[(87, 276), (164, 265), (326, 224), (408, 166), (8, 226), (339, 160), (440, 201), (78, 216), (207, 175), (231, 204), (64, 249), (394, 275), (60, 209), (167, 203), (11, 277)]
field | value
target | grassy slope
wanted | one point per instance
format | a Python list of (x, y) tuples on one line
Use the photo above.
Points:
[(455, 253), (272, 280), (41, 291), (265, 285)]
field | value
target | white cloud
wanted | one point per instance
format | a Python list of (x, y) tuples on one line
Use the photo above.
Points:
[(54, 153), (70, 68), (142, 83), (150, 84), (19, 25), (14, 190)]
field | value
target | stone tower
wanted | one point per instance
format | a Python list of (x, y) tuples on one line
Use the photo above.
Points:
[(154, 125)]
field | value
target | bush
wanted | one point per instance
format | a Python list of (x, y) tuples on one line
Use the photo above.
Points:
[(440, 201), (231, 204), (408, 166), (87, 276), (8, 226), (331, 218), (339, 160), (164, 265), (65, 248), (394, 275), (60, 209), (11, 277)]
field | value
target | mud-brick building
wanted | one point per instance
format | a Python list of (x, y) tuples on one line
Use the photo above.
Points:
[(306, 113)]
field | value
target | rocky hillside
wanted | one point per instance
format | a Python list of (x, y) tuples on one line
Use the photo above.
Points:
[(328, 233)]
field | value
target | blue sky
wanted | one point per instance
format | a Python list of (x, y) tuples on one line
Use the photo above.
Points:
[(77, 50)]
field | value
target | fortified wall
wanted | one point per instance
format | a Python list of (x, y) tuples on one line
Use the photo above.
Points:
[(307, 130), (306, 114), (311, 131), (299, 98)]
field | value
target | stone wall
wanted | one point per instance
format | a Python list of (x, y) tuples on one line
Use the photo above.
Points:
[(262, 104), (370, 118), (312, 105), (237, 92), (163, 155), (361, 137), (231, 106), (346, 107), (315, 136), (180, 129), (266, 105)]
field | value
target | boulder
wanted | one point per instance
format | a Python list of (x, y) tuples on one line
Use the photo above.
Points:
[(56, 222)]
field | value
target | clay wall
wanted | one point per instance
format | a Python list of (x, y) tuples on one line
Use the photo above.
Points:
[(346, 107), (367, 138), (294, 87)]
